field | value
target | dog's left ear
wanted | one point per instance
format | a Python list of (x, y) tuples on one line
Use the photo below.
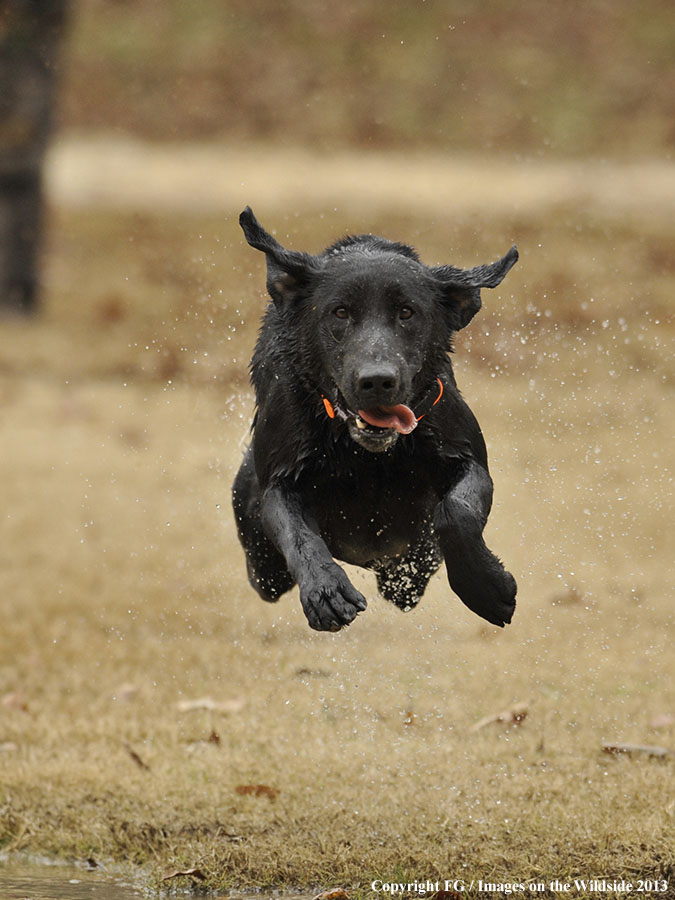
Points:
[(461, 287), (287, 270)]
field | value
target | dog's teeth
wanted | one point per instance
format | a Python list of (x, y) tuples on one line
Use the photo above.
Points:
[(360, 423)]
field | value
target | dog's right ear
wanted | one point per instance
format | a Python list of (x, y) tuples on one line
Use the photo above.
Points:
[(288, 271)]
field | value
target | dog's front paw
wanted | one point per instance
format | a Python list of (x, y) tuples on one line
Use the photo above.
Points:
[(330, 601)]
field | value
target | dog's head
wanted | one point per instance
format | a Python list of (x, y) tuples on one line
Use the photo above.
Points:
[(372, 323)]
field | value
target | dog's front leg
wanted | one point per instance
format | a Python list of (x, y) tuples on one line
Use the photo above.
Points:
[(327, 596), (475, 574)]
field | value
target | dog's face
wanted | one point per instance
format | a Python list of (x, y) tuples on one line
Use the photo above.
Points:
[(371, 323), (376, 315)]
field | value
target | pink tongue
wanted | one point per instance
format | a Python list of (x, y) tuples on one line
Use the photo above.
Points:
[(399, 417)]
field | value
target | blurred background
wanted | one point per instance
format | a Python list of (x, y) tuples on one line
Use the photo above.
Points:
[(585, 79), (131, 136)]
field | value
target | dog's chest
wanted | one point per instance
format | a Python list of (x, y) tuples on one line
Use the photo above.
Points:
[(375, 513)]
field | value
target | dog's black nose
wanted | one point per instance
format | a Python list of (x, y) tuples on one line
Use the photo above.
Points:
[(377, 384)]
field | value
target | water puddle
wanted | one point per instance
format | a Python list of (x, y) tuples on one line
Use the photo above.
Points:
[(56, 882)]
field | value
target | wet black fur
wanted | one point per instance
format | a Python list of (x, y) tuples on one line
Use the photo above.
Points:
[(307, 492)]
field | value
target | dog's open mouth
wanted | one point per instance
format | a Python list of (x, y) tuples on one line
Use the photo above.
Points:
[(378, 428), (384, 418)]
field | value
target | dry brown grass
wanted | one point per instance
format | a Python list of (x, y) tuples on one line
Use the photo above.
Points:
[(123, 413)]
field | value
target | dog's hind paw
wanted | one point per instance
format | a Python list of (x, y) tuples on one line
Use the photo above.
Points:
[(330, 601), (270, 584), (491, 594)]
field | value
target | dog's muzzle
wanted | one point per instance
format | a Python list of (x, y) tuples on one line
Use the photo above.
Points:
[(378, 428)]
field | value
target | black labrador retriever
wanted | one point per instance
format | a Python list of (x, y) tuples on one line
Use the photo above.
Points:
[(363, 448)]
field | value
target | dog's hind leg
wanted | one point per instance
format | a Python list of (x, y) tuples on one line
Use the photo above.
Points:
[(475, 574), (266, 567), (404, 579)]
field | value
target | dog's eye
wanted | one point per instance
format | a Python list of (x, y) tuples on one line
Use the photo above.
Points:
[(341, 312), (405, 312)]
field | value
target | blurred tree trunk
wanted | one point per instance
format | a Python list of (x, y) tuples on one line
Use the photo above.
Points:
[(30, 35)]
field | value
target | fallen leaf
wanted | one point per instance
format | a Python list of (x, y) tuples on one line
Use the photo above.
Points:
[(665, 720), (125, 692), (111, 310), (332, 894), (616, 749), (514, 716), (15, 700), (208, 703), (134, 437), (136, 758), (571, 598), (170, 364), (257, 790), (195, 873), (304, 671)]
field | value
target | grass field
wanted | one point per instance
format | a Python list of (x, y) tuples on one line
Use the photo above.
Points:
[(124, 411)]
